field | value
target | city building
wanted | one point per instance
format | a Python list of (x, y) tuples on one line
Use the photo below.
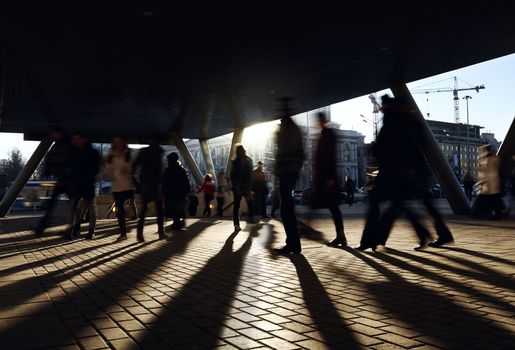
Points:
[(460, 145), (351, 159)]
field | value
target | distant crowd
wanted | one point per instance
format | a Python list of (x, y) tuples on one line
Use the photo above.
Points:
[(403, 174)]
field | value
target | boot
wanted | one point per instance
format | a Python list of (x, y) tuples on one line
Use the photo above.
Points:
[(91, 234)]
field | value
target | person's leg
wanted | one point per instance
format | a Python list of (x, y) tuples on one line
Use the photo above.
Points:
[(220, 206), (141, 221), (74, 218), (286, 184), (249, 199), (369, 237), (443, 232), (160, 217), (236, 210), (338, 225), (92, 208), (119, 202), (262, 203), (43, 223), (424, 236), (132, 204), (386, 221)]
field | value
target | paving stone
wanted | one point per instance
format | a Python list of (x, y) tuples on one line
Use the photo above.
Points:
[(195, 293)]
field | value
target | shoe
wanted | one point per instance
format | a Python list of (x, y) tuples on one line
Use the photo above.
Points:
[(237, 228), (363, 247), (421, 246), (338, 241), (39, 232), (121, 238), (287, 250), (91, 234), (161, 236), (140, 237), (440, 242)]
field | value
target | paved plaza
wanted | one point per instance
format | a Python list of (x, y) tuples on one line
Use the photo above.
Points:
[(207, 287)]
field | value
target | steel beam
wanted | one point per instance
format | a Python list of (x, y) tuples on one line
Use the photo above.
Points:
[(208, 160), (237, 136), (24, 176), (186, 155), (450, 184)]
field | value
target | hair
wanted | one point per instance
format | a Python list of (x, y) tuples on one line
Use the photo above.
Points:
[(173, 157), (208, 178)]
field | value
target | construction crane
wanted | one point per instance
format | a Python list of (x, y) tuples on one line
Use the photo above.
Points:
[(456, 99)]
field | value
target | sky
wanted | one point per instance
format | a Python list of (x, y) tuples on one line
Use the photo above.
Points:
[(493, 107)]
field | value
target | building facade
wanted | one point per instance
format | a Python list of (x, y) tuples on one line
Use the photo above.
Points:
[(460, 145)]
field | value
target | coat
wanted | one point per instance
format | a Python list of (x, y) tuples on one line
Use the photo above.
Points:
[(175, 188), (149, 163), (84, 167), (325, 170), (289, 158), (240, 174)]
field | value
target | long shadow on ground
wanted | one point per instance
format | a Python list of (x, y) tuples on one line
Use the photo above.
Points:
[(446, 323)]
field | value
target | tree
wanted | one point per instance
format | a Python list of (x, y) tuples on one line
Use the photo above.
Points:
[(14, 164)]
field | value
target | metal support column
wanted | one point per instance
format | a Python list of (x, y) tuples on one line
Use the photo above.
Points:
[(237, 136), (450, 185), (186, 155), (24, 176), (208, 160)]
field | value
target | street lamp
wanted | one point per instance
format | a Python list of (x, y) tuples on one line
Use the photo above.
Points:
[(467, 98)]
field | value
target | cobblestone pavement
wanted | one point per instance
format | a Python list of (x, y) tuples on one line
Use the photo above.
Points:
[(208, 287)]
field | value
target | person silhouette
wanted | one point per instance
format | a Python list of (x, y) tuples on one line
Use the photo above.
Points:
[(326, 181), (289, 160), (241, 171)]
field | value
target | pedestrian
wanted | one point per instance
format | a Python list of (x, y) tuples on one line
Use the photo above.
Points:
[(490, 183), (350, 188), (175, 187), (259, 186), (241, 171), (468, 185), (209, 189), (84, 168), (192, 203), (56, 167), (289, 161), (220, 193), (395, 151), (119, 170), (276, 198), (149, 166), (326, 182)]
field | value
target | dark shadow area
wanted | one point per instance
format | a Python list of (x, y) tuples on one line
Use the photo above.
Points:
[(111, 287), (432, 314), (479, 255), (486, 274), (205, 300), (330, 325), (446, 281)]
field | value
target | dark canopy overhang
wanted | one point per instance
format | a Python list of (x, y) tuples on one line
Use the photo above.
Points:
[(139, 67)]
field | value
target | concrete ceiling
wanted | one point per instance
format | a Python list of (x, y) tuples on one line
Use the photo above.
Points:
[(139, 67)]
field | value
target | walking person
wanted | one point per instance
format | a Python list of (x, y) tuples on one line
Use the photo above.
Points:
[(149, 166), (276, 197), (119, 169), (468, 185), (192, 203), (84, 168), (220, 193), (57, 167), (176, 187), (209, 189), (259, 186), (326, 182), (289, 161), (490, 183), (350, 188), (241, 171)]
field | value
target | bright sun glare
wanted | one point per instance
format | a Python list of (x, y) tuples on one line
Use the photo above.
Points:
[(259, 133)]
